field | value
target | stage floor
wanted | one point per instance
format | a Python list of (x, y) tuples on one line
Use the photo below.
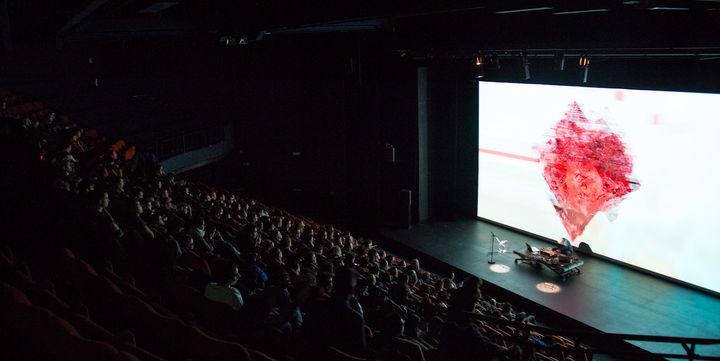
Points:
[(605, 296)]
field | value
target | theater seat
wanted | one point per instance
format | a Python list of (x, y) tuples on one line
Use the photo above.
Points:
[(35, 333), (335, 354), (256, 355), (206, 347)]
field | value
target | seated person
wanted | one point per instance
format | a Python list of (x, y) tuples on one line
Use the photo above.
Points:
[(226, 275), (564, 247)]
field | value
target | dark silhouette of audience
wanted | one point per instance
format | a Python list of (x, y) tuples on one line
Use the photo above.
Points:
[(151, 266)]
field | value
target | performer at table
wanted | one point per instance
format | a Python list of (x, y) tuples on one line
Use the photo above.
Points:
[(564, 247)]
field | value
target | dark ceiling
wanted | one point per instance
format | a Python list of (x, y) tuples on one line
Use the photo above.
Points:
[(421, 28)]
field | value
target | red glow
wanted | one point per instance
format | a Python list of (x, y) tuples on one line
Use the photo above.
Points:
[(587, 169), (619, 95), (508, 155)]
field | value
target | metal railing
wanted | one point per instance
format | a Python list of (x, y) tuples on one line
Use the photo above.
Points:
[(592, 343)]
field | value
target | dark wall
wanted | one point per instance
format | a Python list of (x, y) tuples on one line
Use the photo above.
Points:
[(314, 112), (452, 141), (337, 102)]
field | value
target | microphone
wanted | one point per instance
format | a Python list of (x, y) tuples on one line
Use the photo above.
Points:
[(491, 259)]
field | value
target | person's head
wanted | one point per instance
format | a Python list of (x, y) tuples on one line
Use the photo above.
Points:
[(436, 325), (335, 252), (138, 207), (349, 259), (226, 272), (394, 325), (149, 205), (473, 283), (311, 259), (103, 200), (186, 210), (281, 279), (345, 281), (120, 185), (277, 236), (383, 265), (89, 187), (412, 325), (325, 280), (412, 277), (287, 242), (276, 254), (186, 242), (415, 264), (403, 278)]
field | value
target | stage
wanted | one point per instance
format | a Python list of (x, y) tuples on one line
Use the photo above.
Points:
[(605, 296)]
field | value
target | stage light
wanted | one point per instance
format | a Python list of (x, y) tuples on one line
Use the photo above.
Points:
[(584, 61), (548, 287), (479, 67), (585, 65)]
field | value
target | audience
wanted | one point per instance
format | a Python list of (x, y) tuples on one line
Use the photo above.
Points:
[(298, 287)]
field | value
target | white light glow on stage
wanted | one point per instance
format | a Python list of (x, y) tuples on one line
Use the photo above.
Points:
[(630, 173), (500, 268), (548, 287)]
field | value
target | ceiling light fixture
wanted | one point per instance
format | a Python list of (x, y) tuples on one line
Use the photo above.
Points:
[(668, 8), (526, 10), (586, 11)]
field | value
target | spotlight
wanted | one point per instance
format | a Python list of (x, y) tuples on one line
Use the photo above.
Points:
[(479, 67), (585, 65), (526, 66), (584, 61)]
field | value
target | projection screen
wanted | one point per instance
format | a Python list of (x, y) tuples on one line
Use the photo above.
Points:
[(631, 173)]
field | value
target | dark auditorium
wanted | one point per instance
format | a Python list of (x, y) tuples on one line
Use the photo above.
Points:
[(459, 180)]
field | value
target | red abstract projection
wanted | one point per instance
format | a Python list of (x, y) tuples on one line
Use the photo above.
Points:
[(587, 169)]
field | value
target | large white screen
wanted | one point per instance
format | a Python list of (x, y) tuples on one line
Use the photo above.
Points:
[(666, 219)]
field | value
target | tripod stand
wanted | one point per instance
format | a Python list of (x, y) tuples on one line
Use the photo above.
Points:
[(491, 259)]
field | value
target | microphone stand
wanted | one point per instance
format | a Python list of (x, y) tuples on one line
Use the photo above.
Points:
[(491, 260)]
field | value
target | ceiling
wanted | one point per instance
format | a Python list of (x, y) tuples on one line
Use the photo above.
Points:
[(420, 28)]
